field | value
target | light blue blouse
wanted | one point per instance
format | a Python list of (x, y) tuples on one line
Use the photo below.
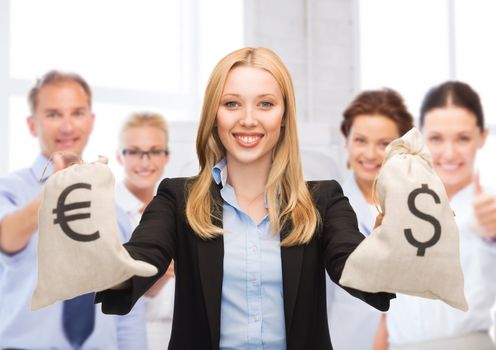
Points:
[(252, 306)]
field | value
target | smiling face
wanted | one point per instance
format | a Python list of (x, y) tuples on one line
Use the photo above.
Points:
[(368, 137), (453, 139), (142, 172), (250, 116), (62, 119)]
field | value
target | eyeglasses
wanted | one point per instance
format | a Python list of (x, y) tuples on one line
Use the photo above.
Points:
[(139, 154)]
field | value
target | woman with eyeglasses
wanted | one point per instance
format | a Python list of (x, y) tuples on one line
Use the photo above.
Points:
[(143, 154)]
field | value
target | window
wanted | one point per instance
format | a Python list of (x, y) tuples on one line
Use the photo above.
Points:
[(412, 45), (149, 55)]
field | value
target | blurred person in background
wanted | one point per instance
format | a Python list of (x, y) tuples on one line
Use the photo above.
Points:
[(370, 122), (62, 120), (144, 153), (452, 122)]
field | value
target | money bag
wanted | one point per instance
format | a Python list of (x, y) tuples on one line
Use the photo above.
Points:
[(415, 250), (79, 246)]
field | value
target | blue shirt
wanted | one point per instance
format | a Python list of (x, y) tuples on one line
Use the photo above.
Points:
[(252, 305), (349, 316), (42, 329)]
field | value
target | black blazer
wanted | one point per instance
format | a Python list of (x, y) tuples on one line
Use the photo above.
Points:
[(164, 234)]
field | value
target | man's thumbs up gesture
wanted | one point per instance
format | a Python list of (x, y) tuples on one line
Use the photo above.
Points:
[(485, 210)]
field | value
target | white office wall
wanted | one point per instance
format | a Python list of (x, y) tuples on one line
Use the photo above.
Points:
[(412, 45), (316, 39), (146, 55), (333, 49)]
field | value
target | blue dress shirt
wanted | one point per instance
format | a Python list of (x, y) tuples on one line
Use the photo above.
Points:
[(252, 305), (42, 329)]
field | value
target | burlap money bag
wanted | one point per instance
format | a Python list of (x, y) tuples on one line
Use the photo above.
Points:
[(79, 249), (415, 250)]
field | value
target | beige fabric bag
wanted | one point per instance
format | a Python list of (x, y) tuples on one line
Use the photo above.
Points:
[(415, 250), (79, 249)]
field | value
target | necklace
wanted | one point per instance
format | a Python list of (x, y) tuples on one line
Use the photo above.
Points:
[(247, 205)]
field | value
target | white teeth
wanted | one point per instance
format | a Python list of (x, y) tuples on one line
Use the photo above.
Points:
[(448, 167), (248, 139), (369, 166), (66, 142)]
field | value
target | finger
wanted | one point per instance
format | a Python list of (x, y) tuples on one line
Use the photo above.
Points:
[(378, 220), (486, 214), (58, 161), (71, 158), (488, 222), (488, 232), (484, 203)]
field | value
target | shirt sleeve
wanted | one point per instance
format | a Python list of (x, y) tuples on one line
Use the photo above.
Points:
[(8, 198), (14, 193), (124, 224), (153, 241), (131, 329), (340, 237)]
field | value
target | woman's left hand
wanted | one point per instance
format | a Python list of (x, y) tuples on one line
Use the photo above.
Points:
[(378, 220), (485, 211)]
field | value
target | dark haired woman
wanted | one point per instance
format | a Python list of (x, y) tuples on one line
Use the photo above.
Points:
[(371, 121), (452, 122)]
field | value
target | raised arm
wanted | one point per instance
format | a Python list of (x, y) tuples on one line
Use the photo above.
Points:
[(17, 227), (21, 222), (340, 236), (153, 241)]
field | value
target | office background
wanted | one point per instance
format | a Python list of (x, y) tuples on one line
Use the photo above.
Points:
[(156, 55)]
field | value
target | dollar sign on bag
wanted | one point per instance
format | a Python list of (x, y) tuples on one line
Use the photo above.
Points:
[(422, 246), (63, 220)]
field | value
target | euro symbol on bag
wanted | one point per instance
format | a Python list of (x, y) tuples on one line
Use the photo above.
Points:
[(422, 246), (62, 219)]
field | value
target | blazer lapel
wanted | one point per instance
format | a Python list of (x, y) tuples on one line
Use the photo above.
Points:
[(211, 260), (292, 258)]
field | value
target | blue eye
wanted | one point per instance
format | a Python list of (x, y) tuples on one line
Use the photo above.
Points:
[(266, 104), (231, 104)]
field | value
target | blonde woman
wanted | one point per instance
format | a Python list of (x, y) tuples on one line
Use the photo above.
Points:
[(144, 153), (251, 241)]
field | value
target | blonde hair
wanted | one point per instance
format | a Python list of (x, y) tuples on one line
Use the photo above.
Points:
[(140, 119), (288, 198)]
